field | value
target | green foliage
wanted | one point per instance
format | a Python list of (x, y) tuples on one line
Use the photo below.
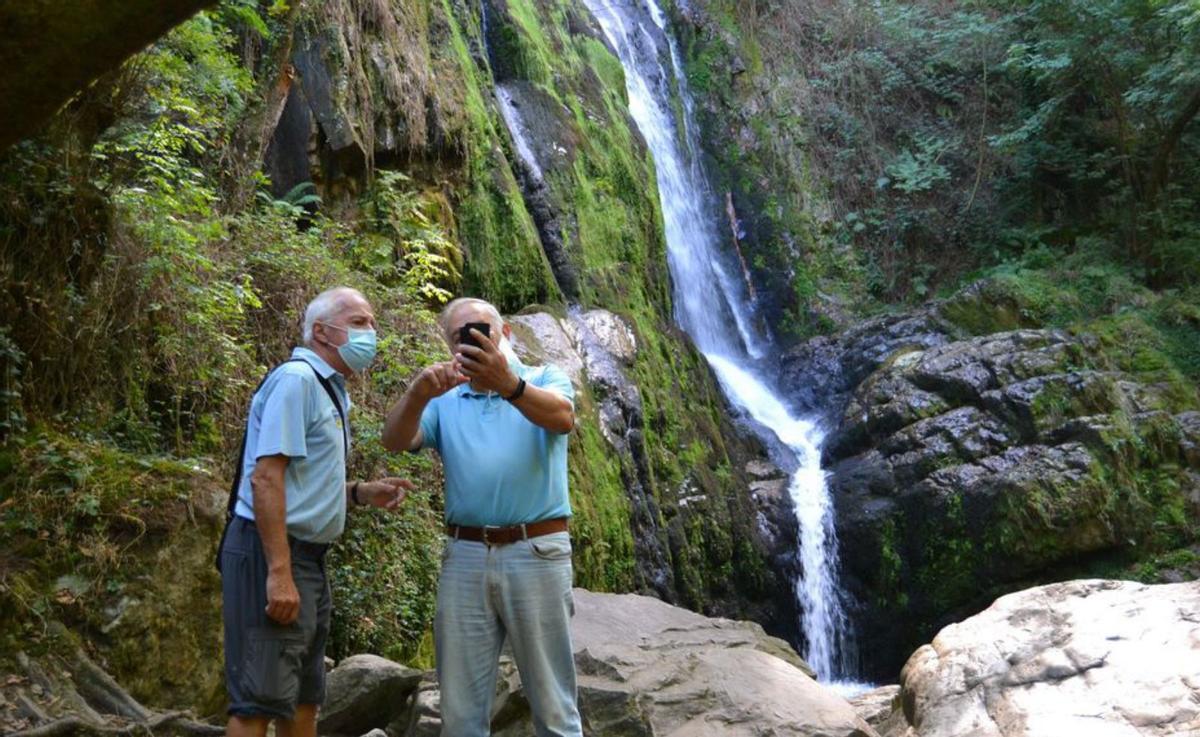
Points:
[(920, 171), (12, 415), (412, 248)]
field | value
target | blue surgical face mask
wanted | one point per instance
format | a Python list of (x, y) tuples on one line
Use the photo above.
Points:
[(359, 349)]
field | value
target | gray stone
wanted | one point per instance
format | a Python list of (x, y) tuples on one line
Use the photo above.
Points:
[(613, 333), (996, 445), (655, 669), (539, 338), (425, 716), (876, 707), (763, 469), (365, 692)]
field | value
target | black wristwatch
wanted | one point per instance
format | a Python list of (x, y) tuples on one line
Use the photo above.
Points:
[(354, 492), (518, 392)]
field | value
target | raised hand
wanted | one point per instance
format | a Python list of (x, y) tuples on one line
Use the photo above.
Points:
[(485, 366), (438, 379)]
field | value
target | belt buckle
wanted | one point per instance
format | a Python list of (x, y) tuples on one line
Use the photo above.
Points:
[(484, 531)]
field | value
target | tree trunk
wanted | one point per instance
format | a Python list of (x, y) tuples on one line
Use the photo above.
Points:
[(1160, 168)]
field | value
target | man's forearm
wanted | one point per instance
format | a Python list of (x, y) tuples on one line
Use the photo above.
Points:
[(270, 517), (403, 423), (546, 409)]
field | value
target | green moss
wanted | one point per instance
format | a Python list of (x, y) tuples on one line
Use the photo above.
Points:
[(945, 575), (606, 66), (604, 558), (96, 539), (504, 258), (890, 590), (1168, 567)]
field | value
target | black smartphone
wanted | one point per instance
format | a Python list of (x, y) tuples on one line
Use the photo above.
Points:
[(464, 333)]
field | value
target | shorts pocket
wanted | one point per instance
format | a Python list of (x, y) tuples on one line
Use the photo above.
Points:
[(552, 547), (272, 669)]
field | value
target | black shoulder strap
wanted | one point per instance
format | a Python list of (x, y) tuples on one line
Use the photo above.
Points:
[(337, 404), (241, 456)]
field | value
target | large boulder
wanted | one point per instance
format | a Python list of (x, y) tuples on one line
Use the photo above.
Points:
[(1095, 658), (365, 692), (647, 668)]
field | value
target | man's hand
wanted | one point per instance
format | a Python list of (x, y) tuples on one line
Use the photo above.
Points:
[(438, 379), (486, 367), (283, 600), (385, 493), (402, 427)]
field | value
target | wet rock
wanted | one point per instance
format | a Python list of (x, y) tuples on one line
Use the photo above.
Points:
[(1076, 658), (763, 469), (775, 516)]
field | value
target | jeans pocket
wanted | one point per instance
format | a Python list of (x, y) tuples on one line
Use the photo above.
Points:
[(551, 547)]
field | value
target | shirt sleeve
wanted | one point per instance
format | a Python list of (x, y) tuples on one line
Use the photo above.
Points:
[(554, 379), (284, 420), (429, 426)]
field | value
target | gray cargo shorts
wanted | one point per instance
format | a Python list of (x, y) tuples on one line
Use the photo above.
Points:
[(269, 667)]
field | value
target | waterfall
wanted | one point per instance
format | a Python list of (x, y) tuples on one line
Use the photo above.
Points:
[(516, 128), (714, 310)]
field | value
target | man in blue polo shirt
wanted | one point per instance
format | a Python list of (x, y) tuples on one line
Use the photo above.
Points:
[(501, 429), (290, 505)]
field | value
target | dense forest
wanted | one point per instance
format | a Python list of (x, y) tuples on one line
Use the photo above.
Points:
[(992, 167)]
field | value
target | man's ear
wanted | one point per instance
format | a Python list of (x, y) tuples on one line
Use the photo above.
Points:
[(506, 330), (323, 336)]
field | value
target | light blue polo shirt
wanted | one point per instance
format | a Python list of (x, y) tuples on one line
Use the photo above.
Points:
[(292, 415), (501, 469)]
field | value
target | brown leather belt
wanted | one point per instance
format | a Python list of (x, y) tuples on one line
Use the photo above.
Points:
[(507, 535)]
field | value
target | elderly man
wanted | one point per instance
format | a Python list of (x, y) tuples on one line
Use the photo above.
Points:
[(501, 429), (289, 504)]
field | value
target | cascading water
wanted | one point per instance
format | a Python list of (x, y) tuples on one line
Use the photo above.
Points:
[(516, 128), (715, 312)]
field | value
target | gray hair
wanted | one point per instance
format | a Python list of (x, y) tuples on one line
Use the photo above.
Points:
[(443, 320), (325, 306)]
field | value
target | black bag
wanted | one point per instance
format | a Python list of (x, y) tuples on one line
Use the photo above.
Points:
[(237, 474)]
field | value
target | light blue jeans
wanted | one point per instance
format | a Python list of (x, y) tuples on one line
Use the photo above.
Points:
[(520, 591)]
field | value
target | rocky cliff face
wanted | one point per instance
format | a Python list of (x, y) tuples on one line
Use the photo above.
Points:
[(962, 465)]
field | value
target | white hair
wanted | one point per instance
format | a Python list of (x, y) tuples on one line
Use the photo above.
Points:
[(449, 310), (325, 306)]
